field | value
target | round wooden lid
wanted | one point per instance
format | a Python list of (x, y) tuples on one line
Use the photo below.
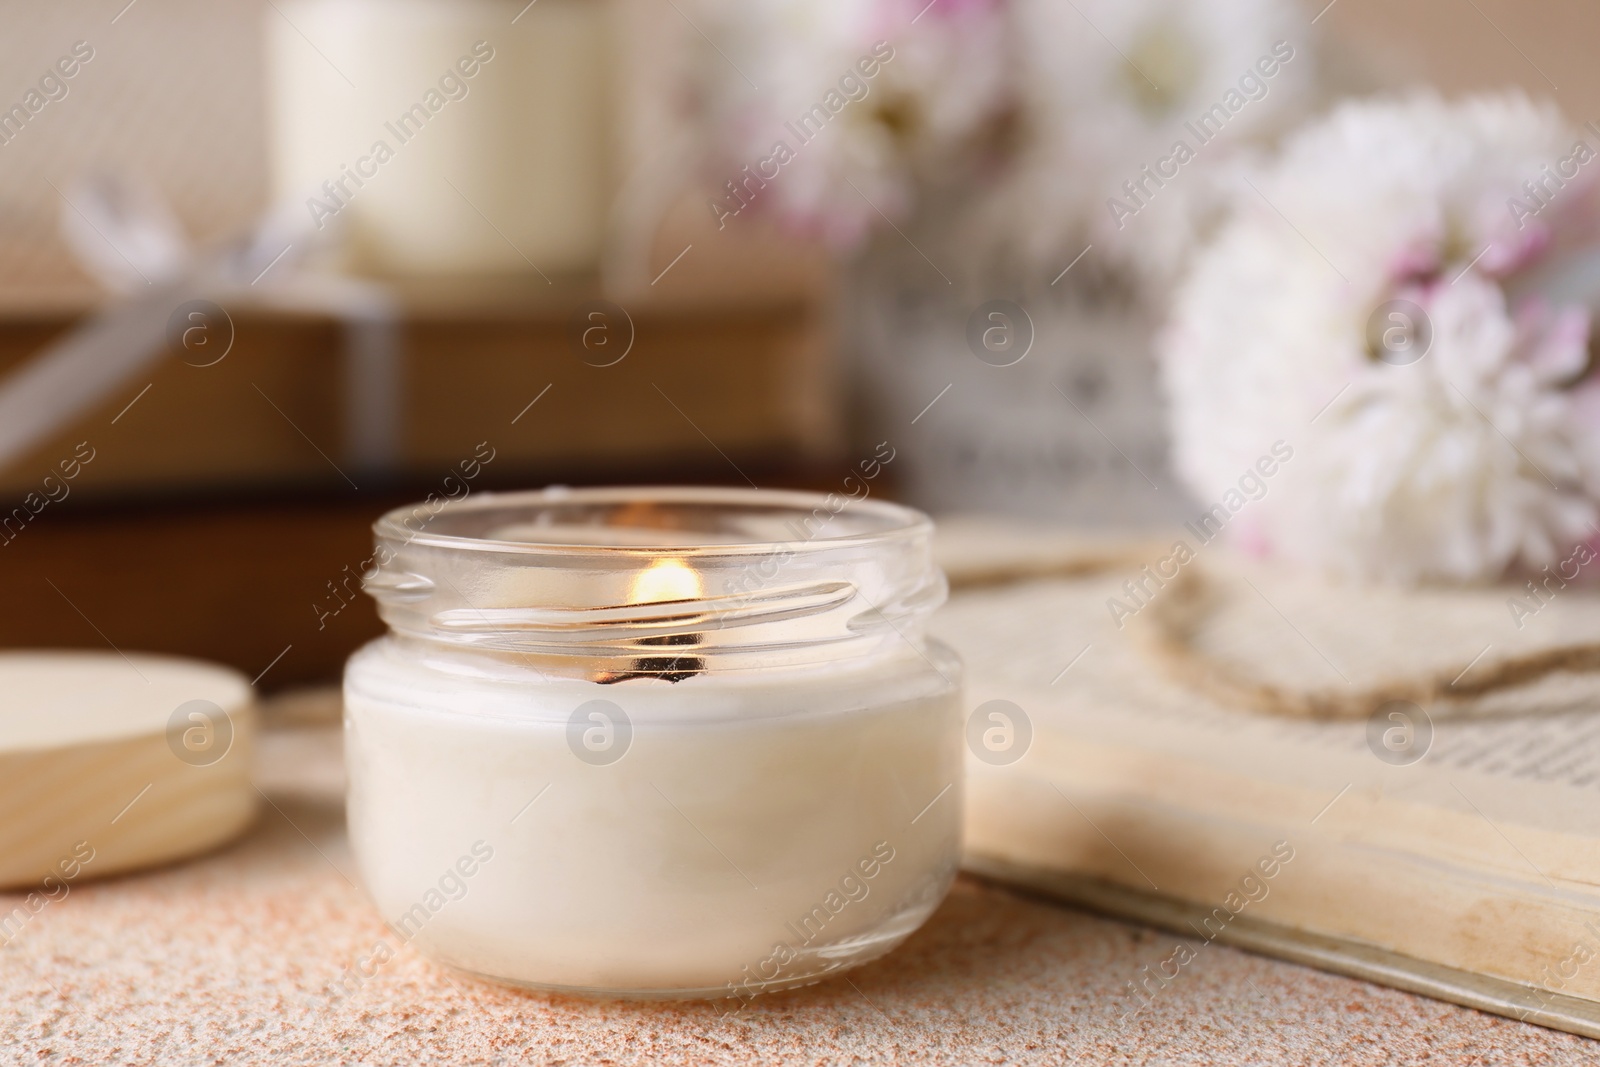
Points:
[(110, 762)]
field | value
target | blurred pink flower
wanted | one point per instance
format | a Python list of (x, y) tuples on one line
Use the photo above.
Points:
[(939, 76), (1420, 334)]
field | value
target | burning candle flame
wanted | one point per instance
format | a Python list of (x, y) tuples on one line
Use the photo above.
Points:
[(665, 580)]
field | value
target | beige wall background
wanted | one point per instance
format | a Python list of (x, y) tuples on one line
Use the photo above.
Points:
[(1547, 47), (174, 95)]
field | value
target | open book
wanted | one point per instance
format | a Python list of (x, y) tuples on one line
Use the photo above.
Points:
[(1452, 850)]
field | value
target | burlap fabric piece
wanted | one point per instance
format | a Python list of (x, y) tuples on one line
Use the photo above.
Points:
[(1284, 641)]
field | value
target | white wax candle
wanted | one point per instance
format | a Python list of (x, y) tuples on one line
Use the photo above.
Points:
[(451, 137), (756, 833), (644, 742)]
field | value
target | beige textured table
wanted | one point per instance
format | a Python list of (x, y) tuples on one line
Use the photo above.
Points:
[(229, 959)]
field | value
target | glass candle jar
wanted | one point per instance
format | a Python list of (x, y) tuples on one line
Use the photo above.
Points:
[(655, 742)]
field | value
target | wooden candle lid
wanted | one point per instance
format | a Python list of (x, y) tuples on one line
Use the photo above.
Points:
[(111, 762)]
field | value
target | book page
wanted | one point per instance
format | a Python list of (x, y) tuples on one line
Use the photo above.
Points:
[(1481, 855), (1509, 785)]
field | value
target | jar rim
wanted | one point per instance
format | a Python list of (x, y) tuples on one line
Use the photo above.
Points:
[(876, 522)]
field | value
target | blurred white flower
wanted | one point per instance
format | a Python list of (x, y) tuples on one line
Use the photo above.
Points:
[(1039, 109), (1110, 86), (1453, 442), (923, 113)]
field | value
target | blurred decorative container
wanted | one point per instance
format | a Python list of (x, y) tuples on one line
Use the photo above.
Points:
[(1021, 395), (452, 137), (754, 373)]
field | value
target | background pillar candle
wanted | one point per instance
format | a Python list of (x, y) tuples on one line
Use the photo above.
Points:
[(464, 138)]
